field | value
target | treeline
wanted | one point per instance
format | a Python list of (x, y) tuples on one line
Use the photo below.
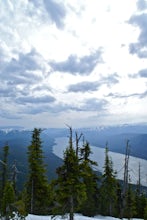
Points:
[(77, 188)]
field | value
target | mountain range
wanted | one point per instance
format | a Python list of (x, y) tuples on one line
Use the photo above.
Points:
[(116, 137)]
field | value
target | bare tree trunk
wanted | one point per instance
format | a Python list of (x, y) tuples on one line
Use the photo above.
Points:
[(139, 178), (71, 214), (32, 198), (125, 182), (77, 142), (110, 208), (14, 175)]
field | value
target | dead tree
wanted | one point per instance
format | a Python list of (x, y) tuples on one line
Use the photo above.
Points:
[(77, 142), (126, 177), (139, 180)]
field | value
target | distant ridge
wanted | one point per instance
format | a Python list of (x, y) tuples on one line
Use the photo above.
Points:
[(19, 138)]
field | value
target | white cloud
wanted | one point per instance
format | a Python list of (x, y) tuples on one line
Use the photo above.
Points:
[(51, 50)]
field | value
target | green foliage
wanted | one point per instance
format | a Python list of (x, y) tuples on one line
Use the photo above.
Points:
[(4, 173), (90, 205), (90, 179), (108, 189), (5, 166), (69, 190), (130, 208), (20, 209), (119, 201), (76, 189), (8, 200), (145, 213), (140, 204), (37, 199)]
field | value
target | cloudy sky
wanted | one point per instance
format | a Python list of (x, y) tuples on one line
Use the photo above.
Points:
[(82, 63)]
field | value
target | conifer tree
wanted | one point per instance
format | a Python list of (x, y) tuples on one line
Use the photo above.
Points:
[(140, 204), (4, 172), (69, 188), (119, 200), (140, 198), (90, 179), (37, 187), (108, 190), (8, 200), (130, 209), (5, 166), (145, 213)]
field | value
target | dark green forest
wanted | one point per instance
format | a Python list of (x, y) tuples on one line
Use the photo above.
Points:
[(77, 187)]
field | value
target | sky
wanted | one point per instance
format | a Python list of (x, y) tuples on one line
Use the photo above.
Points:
[(81, 63)]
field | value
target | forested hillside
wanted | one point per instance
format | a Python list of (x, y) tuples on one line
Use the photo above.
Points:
[(116, 137), (76, 187)]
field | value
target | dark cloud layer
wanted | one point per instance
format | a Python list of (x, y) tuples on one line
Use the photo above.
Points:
[(87, 86), (22, 70), (22, 78), (142, 73), (141, 5), (91, 104), (110, 80), (140, 48), (35, 109), (8, 114), (54, 108), (19, 74), (84, 65), (35, 100), (7, 92), (55, 10), (94, 104), (143, 95), (83, 87), (121, 96)]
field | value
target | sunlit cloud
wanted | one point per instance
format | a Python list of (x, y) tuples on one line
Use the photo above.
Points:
[(77, 62)]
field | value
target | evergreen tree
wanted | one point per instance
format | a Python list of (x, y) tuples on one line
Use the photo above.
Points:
[(4, 172), (8, 200), (140, 203), (5, 166), (90, 179), (37, 187), (130, 209), (119, 200), (145, 213), (140, 198), (69, 188), (19, 209), (108, 189)]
